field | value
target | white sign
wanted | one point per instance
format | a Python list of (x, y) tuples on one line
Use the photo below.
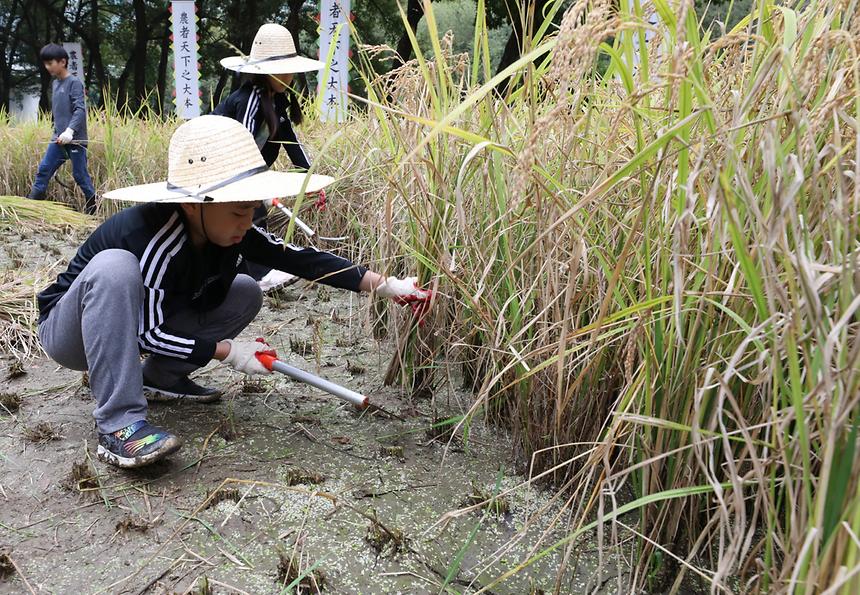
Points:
[(653, 20), (24, 106), (76, 59), (185, 67), (336, 85)]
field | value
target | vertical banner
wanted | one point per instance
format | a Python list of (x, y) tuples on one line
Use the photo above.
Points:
[(653, 20), (336, 85), (76, 58), (185, 67)]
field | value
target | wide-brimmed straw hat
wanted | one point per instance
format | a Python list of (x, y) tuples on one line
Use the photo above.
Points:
[(273, 52), (215, 159)]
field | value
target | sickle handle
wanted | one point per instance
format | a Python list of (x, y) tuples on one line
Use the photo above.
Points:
[(266, 359)]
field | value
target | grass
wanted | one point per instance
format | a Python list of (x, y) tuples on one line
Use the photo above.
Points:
[(646, 271)]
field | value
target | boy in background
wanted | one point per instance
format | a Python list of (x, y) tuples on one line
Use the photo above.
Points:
[(69, 140)]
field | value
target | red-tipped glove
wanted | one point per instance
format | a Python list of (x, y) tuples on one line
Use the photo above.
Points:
[(243, 356), (319, 203), (406, 292)]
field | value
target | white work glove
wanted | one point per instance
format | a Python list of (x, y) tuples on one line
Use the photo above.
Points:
[(66, 137), (402, 290), (243, 356), (406, 292)]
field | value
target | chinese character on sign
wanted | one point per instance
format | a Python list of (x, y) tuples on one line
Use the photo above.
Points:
[(185, 69), (76, 62), (334, 39)]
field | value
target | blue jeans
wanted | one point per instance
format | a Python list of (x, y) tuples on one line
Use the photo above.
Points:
[(54, 157)]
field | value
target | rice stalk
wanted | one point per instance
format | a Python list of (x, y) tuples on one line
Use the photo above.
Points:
[(19, 312), (17, 212)]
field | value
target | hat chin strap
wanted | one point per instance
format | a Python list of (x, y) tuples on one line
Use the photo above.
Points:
[(203, 227), (202, 194), (271, 59)]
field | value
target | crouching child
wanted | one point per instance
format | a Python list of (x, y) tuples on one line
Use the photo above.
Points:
[(163, 278)]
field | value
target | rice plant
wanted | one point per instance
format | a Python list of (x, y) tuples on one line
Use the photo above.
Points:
[(123, 150), (648, 271)]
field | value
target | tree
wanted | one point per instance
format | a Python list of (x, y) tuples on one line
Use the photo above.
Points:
[(526, 16), (9, 45), (85, 25), (414, 12)]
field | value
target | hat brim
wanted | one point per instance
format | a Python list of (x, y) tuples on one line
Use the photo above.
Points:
[(262, 186), (283, 66)]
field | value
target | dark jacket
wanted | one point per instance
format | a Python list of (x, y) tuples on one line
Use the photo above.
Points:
[(243, 105), (176, 276)]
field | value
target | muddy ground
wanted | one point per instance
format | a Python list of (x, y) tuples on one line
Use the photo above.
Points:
[(272, 481)]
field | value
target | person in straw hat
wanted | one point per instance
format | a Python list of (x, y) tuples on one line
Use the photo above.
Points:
[(163, 278), (268, 107)]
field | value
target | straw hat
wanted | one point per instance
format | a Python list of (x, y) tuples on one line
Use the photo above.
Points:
[(215, 159), (273, 52)]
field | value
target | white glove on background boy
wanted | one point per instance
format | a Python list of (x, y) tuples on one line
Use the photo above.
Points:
[(243, 356), (66, 137)]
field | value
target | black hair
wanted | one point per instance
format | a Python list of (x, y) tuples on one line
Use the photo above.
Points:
[(296, 113), (268, 106), (266, 103), (54, 51)]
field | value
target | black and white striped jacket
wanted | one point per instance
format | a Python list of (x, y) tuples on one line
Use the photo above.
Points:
[(176, 276), (243, 105)]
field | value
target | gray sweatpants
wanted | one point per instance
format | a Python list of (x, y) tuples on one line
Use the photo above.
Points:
[(94, 327)]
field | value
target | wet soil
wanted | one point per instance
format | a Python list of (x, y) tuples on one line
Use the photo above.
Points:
[(276, 484)]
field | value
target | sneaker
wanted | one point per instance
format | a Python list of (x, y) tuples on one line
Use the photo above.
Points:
[(137, 445), (184, 388), (275, 278)]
